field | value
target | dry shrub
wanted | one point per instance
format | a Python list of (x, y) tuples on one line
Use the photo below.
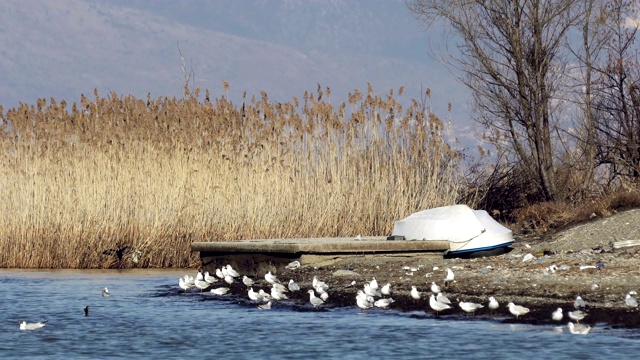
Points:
[(158, 174)]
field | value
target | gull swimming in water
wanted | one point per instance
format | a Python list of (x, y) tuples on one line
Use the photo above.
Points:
[(220, 291), (293, 286), (32, 326), (631, 301), (470, 307), (86, 310), (266, 306), (315, 301), (436, 305), (577, 315), (435, 288), (557, 315), (386, 290), (232, 272), (247, 281), (579, 303), (517, 310), (449, 277), (271, 279), (383, 303), (579, 328), (105, 292), (493, 303), (415, 294), (293, 265)]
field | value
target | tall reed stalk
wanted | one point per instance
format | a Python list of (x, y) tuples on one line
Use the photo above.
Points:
[(158, 174)]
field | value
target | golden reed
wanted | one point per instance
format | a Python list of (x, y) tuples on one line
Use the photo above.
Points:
[(158, 174)]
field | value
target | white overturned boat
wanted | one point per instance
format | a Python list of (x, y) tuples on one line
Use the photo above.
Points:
[(468, 231)]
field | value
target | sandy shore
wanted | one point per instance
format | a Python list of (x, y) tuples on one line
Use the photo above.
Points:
[(579, 261)]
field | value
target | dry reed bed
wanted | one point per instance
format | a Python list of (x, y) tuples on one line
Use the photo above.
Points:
[(162, 173)]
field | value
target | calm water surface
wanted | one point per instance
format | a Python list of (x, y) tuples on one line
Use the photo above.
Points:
[(147, 318)]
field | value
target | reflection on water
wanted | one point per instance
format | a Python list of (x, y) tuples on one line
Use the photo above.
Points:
[(147, 317)]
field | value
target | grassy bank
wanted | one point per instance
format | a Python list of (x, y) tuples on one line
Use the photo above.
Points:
[(158, 174)]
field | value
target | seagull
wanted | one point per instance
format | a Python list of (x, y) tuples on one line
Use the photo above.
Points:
[(105, 292), (557, 315), (200, 276), (219, 274), (443, 299), (220, 291), (32, 326), (631, 301), (517, 310), (266, 306), (247, 281), (370, 291), (386, 290), (86, 310), (254, 295), (579, 303), (383, 303), (577, 315), (183, 284), (228, 279), (208, 278), (324, 296), (317, 284), (435, 288), (276, 294), (493, 303), (315, 301), (579, 328), (232, 272), (201, 284), (415, 294), (271, 279), (373, 284), (281, 288), (449, 277), (263, 295), (436, 305), (362, 302), (293, 286), (293, 265), (470, 307)]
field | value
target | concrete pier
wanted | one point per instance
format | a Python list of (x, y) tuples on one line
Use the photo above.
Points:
[(256, 257)]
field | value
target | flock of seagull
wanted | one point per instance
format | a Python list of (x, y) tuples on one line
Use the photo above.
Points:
[(371, 295)]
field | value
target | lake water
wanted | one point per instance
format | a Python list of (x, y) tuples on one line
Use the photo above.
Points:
[(146, 317)]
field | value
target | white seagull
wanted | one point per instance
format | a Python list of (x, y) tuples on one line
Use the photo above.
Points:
[(208, 278), (276, 294), (630, 300), (415, 294), (449, 277), (579, 328), (293, 265), (363, 303), (370, 291), (271, 279), (436, 305), (470, 307), (373, 284), (435, 288), (264, 295), (577, 315), (443, 299), (219, 274), (517, 310), (315, 301), (228, 279), (201, 284), (247, 281), (183, 284), (579, 303), (493, 303), (386, 290), (266, 306), (220, 291), (32, 326), (232, 272), (254, 295), (557, 315), (293, 286), (105, 292), (383, 303)]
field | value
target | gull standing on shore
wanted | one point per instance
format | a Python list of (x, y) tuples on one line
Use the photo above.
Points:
[(557, 315), (449, 277), (579, 303), (254, 295), (435, 288), (517, 310), (415, 294), (493, 303), (631, 301), (271, 279), (247, 281), (383, 303), (443, 299), (315, 301), (208, 278), (577, 315), (231, 272), (436, 305), (293, 286), (470, 307), (386, 290), (293, 265)]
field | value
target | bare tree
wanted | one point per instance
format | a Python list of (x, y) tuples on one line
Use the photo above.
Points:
[(509, 52)]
